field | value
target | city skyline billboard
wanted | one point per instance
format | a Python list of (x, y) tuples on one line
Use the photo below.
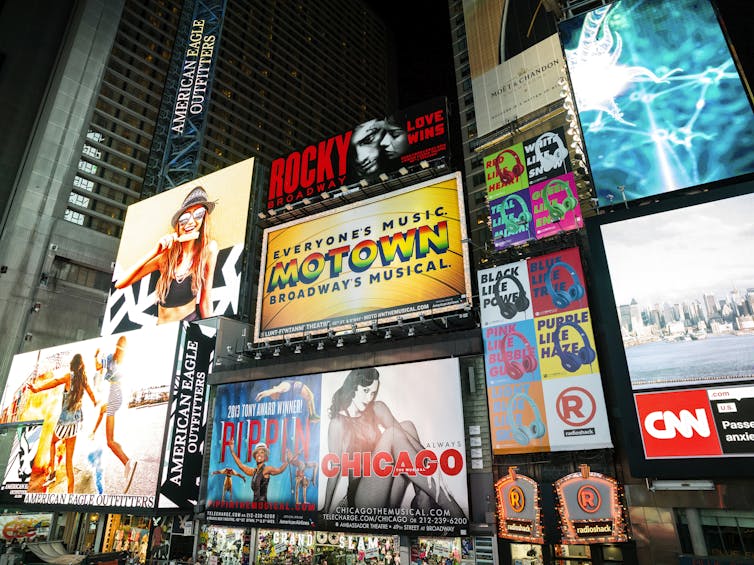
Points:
[(90, 418), (353, 265), (377, 146), (659, 111), (285, 451), (531, 190), (682, 332), (544, 387), (181, 253)]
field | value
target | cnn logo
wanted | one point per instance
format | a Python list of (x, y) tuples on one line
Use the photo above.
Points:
[(677, 424)]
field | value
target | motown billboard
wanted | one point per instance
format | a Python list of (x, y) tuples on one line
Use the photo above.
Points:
[(378, 146), (285, 451), (89, 420), (180, 256), (399, 254)]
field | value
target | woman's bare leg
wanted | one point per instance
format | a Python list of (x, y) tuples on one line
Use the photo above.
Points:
[(70, 446), (111, 443)]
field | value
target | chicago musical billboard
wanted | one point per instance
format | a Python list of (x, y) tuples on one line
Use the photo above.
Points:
[(181, 253), (543, 379), (377, 146), (657, 115), (399, 254), (342, 451), (91, 420)]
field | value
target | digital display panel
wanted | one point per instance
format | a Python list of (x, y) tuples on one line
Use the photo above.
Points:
[(679, 298), (684, 293), (661, 104)]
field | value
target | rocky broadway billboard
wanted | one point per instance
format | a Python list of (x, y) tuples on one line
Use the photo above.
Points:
[(399, 254), (377, 146), (181, 253), (89, 420), (342, 451)]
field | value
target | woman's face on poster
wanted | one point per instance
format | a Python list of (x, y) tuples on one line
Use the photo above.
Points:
[(363, 396), (191, 220)]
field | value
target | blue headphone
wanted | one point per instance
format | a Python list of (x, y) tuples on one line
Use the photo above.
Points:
[(513, 223), (523, 434), (511, 308), (572, 362), (562, 298)]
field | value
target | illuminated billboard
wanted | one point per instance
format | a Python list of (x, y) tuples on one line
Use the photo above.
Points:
[(181, 253), (531, 190), (399, 254), (683, 309), (543, 378), (692, 321), (377, 146), (515, 59), (660, 110), (90, 418), (519, 509), (590, 508), (344, 451)]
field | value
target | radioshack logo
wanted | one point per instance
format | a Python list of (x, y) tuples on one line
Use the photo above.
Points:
[(677, 424)]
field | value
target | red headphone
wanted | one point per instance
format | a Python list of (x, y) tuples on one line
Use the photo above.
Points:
[(506, 175)]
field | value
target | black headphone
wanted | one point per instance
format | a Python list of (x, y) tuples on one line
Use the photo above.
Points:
[(572, 362), (511, 308)]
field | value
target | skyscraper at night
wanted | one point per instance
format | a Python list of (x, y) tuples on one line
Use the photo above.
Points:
[(286, 74)]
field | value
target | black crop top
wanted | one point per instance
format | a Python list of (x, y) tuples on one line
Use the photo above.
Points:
[(179, 293)]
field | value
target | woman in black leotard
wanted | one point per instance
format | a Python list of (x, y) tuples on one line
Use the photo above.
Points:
[(185, 260)]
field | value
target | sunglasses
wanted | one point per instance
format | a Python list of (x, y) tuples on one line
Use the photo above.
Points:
[(198, 214)]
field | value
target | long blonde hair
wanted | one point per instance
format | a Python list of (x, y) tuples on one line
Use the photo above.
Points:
[(170, 261)]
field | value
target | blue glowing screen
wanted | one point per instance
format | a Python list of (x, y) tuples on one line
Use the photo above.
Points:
[(660, 101)]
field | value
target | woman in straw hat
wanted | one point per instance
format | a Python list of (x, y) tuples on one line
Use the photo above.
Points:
[(185, 259)]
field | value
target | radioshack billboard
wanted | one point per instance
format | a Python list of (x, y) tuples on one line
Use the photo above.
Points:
[(405, 472), (96, 407), (543, 379), (399, 254), (680, 302), (181, 253), (657, 115), (380, 145), (531, 190)]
